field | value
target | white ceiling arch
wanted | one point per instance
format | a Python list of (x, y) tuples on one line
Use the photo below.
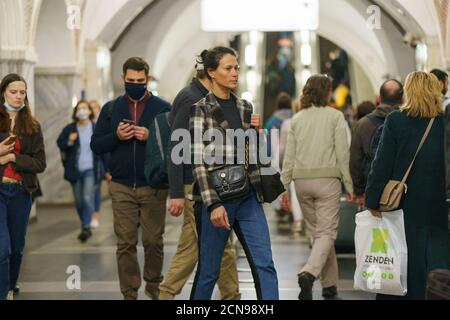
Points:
[(423, 13), (175, 30), (105, 20), (420, 18), (177, 38)]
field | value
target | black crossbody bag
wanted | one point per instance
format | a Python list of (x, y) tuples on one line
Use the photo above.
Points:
[(232, 181)]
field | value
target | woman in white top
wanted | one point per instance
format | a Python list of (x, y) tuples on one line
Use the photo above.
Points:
[(317, 160)]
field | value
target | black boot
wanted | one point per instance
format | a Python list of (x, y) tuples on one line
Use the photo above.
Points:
[(306, 282), (85, 235), (330, 292)]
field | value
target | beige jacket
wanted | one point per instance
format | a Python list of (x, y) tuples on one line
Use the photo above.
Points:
[(317, 147)]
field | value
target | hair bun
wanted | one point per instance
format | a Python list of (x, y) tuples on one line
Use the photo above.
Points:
[(200, 65)]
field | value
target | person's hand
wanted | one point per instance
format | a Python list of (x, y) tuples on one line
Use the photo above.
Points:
[(285, 201), (176, 207), (361, 200), (219, 218), (125, 131), (73, 137), (5, 149), (376, 214), (11, 157), (351, 197), (141, 133), (256, 121), (108, 177)]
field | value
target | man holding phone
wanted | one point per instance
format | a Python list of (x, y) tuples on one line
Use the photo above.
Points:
[(122, 131)]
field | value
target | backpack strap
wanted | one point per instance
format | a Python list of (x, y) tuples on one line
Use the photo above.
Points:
[(159, 139), (376, 120), (112, 108), (162, 129), (154, 111)]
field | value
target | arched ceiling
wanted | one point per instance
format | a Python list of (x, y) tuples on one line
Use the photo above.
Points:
[(176, 37), (105, 20), (169, 34)]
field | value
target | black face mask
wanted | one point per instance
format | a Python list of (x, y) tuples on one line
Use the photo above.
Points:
[(135, 90)]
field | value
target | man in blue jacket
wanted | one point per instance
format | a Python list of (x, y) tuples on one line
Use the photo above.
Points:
[(122, 131)]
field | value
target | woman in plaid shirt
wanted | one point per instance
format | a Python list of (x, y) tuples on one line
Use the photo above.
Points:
[(221, 110)]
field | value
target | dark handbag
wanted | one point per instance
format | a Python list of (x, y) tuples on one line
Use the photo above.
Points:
[(438, 285), (230, 182), (271, 185)]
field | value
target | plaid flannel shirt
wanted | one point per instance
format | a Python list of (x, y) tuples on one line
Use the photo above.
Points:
[(205, 115)]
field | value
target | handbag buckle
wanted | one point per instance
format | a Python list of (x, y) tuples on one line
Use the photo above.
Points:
[(406, 189)]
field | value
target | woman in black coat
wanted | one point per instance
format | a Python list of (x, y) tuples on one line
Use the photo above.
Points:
[(424, 205)]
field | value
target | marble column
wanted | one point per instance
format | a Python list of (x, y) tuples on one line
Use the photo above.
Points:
[(21, 62), (56, 90), (97, 72)]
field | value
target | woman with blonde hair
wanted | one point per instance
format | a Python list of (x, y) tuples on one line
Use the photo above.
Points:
[(424, 204)]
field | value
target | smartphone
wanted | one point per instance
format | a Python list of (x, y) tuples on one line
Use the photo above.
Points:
[(130, 122), (11, 140)]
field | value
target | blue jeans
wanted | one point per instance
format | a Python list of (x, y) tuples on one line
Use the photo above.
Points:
[(84, 194), (248, 220), (15, 207)]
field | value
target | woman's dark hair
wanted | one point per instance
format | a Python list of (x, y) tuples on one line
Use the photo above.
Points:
[(317, 92), (136, 64), (441, 75), (25, 123), (364, 108), (75, 110), (211, 58), (200, 65), (284, 101)]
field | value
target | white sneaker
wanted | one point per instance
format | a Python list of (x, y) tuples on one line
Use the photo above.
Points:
[(95, 223), (10, 296)]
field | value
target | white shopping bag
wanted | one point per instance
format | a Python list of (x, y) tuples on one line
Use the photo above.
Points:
[(381, 253)]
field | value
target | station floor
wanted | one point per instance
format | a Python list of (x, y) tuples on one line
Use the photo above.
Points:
[(52, 247)]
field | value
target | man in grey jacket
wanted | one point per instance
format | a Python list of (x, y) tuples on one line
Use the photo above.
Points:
[(391, 97)]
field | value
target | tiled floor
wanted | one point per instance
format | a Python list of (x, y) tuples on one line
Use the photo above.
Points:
[(52, 248)]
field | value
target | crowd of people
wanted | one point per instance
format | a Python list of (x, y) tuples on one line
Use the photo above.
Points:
[(219, 188)]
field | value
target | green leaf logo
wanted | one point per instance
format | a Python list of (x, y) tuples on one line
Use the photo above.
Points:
[(379, 242)]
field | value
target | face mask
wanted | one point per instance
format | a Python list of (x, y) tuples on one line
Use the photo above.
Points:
[(135, 90), (10, 108), (83, 114)]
